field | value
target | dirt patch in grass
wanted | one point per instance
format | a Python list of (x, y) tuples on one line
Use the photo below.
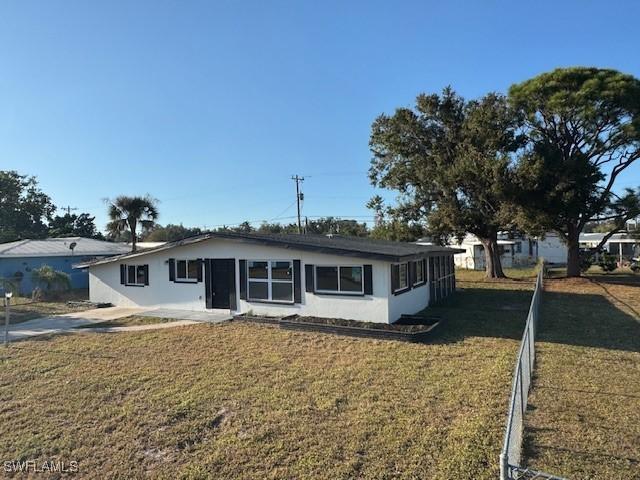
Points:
[(247, 401), (584, 420), (131, 321)]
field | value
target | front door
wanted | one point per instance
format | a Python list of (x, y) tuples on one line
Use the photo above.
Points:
[(221, 292)]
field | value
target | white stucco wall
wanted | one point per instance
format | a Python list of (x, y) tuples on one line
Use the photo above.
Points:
[(552, 249), (409, 302), (104, 284), (466, 259)]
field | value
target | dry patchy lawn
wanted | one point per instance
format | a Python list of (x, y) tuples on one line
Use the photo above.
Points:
[(584, 421), (130, 321), (251, 401), (23, 308)]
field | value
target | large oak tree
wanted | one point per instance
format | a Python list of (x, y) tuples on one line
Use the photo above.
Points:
[(24, 208), (582, 127), (450, 161)]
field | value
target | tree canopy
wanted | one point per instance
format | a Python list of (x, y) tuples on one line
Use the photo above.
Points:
[(24, 208), (582, 131), (72, 225), (169, 233), (449, 161)]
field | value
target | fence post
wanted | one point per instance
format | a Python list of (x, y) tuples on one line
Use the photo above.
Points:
[(504, 467)]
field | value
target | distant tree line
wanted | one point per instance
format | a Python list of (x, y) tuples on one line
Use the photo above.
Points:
[(27, 212)]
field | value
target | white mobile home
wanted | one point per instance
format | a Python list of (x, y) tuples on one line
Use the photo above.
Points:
[(470, 252), (277, 275), (515, 251)]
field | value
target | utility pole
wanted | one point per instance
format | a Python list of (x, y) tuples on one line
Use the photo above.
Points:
[(299, 198), (69, 208)]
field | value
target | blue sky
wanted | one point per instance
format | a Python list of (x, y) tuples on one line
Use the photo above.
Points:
[(212, 106)]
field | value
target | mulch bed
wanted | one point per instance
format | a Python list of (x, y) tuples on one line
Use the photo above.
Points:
[(410, 328), (408, 324)]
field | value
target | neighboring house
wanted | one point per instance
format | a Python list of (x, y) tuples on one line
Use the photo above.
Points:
[(471, 252), (145, 245), (19, 259), (278, 275), (623, 245), (527, 250), (515, 250)]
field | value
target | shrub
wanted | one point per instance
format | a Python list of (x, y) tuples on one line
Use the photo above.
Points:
[(51, 280), (586, 260), (607, 262)]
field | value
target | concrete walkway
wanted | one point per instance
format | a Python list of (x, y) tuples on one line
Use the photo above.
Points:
[(69, 322), (138, 328), (209, 317)]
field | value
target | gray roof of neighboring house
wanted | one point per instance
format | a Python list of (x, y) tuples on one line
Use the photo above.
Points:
[(59, 247), (330, 244), (623, 237)]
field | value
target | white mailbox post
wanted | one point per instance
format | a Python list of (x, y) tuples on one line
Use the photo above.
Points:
[(7, 303)]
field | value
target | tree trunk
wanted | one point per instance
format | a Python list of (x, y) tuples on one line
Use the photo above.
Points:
[(493, 266), (573, 252), (134, 240)]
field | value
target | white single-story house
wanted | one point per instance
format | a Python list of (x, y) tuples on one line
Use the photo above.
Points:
[(623, 245), (471, 252), (278, 275), (527, 250), (515, 250)]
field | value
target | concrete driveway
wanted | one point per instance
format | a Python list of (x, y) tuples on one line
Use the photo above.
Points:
[(68, 321)]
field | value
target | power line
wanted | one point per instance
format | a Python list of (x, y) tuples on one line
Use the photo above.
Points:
[(284, 211)]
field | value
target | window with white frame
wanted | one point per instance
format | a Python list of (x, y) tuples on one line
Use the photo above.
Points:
[(343, 279), (187, 270), (270, 280), (419, 269), (136, 275)]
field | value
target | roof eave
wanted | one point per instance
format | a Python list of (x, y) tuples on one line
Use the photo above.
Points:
[(275, 243)]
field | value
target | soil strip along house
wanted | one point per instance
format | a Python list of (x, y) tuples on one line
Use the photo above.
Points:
[(278, 275)]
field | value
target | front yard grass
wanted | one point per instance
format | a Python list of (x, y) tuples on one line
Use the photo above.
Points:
[(584, 420), (250, 401), (131, 321), (24, 308)]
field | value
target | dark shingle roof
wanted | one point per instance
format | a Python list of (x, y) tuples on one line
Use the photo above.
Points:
[(329, 244)]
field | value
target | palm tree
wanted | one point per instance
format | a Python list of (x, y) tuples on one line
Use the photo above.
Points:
[(126, 213)]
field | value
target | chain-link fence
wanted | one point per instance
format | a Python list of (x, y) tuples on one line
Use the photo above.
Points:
[(519, 473), (510, 457)]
